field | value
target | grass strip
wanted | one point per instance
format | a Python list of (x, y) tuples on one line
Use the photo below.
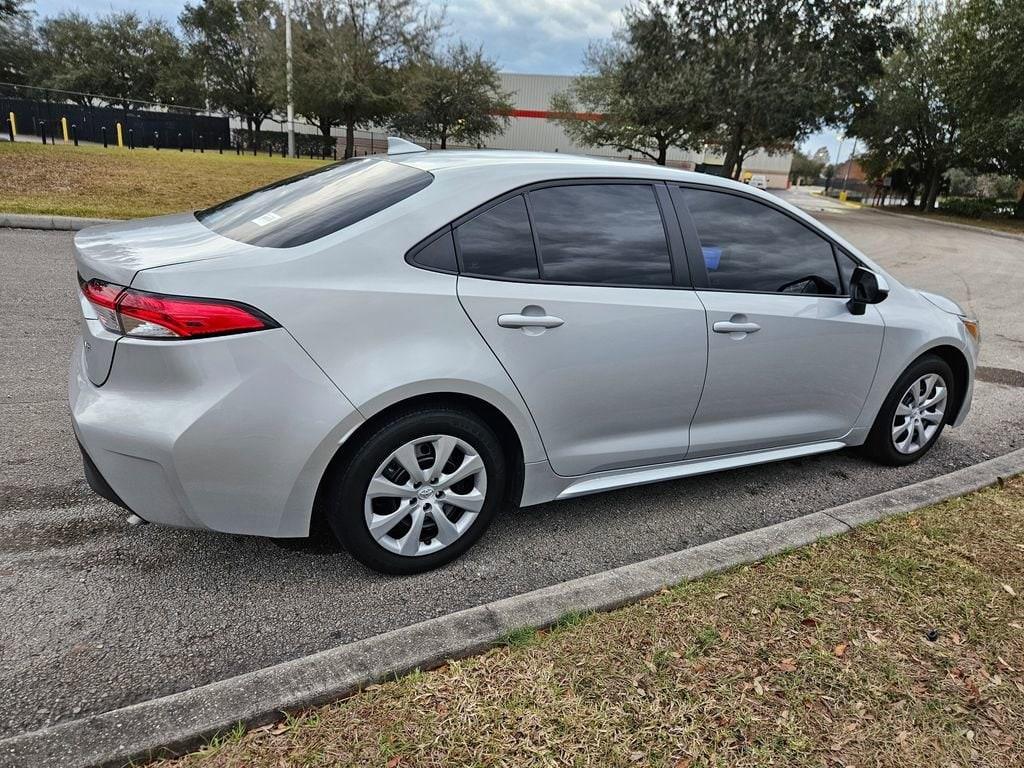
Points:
[(899, 644), (123, 184), (1013, 226)]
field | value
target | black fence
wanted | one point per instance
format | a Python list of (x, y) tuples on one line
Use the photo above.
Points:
[(140, 128)]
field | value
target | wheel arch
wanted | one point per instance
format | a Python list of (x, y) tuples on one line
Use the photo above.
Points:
[(490, 414), (957, 361)]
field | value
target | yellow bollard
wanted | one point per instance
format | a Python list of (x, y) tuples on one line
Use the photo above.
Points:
[(842, 196), (14, 126), (120, 136), (64, 128)]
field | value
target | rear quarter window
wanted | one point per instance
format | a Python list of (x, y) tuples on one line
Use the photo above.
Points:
[(304, 208)]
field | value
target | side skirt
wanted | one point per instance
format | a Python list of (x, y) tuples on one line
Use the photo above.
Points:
[(543, 485)]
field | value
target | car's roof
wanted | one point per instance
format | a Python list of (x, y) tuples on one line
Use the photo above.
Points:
[(555, 164)]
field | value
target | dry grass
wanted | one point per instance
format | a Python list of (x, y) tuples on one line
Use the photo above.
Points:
[(121, 184), (1013, 226), (901, 644)]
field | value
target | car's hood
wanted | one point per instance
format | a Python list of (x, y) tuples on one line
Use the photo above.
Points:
[(116, 252), (943, 303)]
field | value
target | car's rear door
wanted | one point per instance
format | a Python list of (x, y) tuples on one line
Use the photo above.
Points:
[(581, 289), (788, 363)]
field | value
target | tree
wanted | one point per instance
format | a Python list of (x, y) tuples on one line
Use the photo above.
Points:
[(910, 121), (349, 56), (233, 42), (806, 168), (741, 75), (17, 42), (67, 48), (454, 95), (119, 56), (985, 83), (784, 68), (641, 91)]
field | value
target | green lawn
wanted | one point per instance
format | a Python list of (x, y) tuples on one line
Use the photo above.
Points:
[(896, 646), (121, 183)]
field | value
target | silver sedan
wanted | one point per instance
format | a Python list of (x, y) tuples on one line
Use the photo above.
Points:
[(396, 348)]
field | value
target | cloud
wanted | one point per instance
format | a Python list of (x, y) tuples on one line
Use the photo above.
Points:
[(541, 36), (533, 36)]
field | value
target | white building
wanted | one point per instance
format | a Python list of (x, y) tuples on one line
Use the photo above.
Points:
[(530, 128)]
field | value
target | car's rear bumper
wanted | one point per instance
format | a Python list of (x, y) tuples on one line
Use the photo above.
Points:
[(230, 434)]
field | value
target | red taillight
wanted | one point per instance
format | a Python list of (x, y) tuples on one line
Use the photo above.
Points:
[(155, 316), (103, 297)]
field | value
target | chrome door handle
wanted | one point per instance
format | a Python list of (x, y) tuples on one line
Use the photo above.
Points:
[(529, 321), (726, 326)]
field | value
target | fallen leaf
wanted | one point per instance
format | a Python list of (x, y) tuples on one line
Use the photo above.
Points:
[(721, 595), (394, 761), (1009, 590), (787, 665), (683, 762), (810, 622), (636, 757), (839, 650)]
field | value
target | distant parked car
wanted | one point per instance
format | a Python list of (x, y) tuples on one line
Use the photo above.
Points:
[(401, 346), (758, 181)]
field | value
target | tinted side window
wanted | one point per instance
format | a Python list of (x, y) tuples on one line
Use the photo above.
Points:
[(499, 242), (748, 246), (306, 207), (439, 253), (601, 233)]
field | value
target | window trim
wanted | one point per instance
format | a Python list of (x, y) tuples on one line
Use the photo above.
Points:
[(695, 258), (674, 242)]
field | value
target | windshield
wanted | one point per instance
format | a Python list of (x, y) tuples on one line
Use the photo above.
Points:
[(304, 208)]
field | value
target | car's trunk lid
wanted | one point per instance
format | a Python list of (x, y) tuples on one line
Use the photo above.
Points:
[(116, 252)]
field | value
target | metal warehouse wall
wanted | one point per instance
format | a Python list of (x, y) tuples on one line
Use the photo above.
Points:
[(529, 128)]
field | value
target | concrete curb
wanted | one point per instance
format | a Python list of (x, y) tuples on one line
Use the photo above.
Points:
[(183, 720), (954, 224), (58, 223)]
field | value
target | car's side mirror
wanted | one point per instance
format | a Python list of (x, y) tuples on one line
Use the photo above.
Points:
[(866, 287)]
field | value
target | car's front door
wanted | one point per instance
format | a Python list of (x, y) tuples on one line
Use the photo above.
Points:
[(577, 289), (788, 363)]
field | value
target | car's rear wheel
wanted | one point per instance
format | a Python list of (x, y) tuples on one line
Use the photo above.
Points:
[(419, 491), (914, 414)]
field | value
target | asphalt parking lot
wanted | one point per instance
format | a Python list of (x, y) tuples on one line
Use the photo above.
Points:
[(97, 614)]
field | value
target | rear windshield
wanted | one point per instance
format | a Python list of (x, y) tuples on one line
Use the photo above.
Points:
[(304, 208)]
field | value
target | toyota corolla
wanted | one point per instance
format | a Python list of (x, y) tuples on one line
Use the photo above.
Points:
[(400, 346)]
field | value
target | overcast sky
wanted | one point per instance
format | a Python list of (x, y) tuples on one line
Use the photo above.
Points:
[(531, 36)]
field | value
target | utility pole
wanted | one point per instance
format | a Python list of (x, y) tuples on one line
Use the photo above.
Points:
[(288, 69), (849, 163)]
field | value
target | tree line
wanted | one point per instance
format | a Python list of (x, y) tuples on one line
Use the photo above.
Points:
[(736, 76), (356, 63), (926, 87), (951, 96)]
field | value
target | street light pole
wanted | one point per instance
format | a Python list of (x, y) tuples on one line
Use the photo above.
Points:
[(288, 69)]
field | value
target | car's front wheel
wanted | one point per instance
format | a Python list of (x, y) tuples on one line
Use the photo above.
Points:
[(914, 414), (419, 491)]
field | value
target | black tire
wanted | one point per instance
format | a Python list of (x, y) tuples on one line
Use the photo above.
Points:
[(879, 446), (344, 500)]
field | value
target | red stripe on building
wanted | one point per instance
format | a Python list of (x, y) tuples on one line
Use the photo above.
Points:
[(545, 115)]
